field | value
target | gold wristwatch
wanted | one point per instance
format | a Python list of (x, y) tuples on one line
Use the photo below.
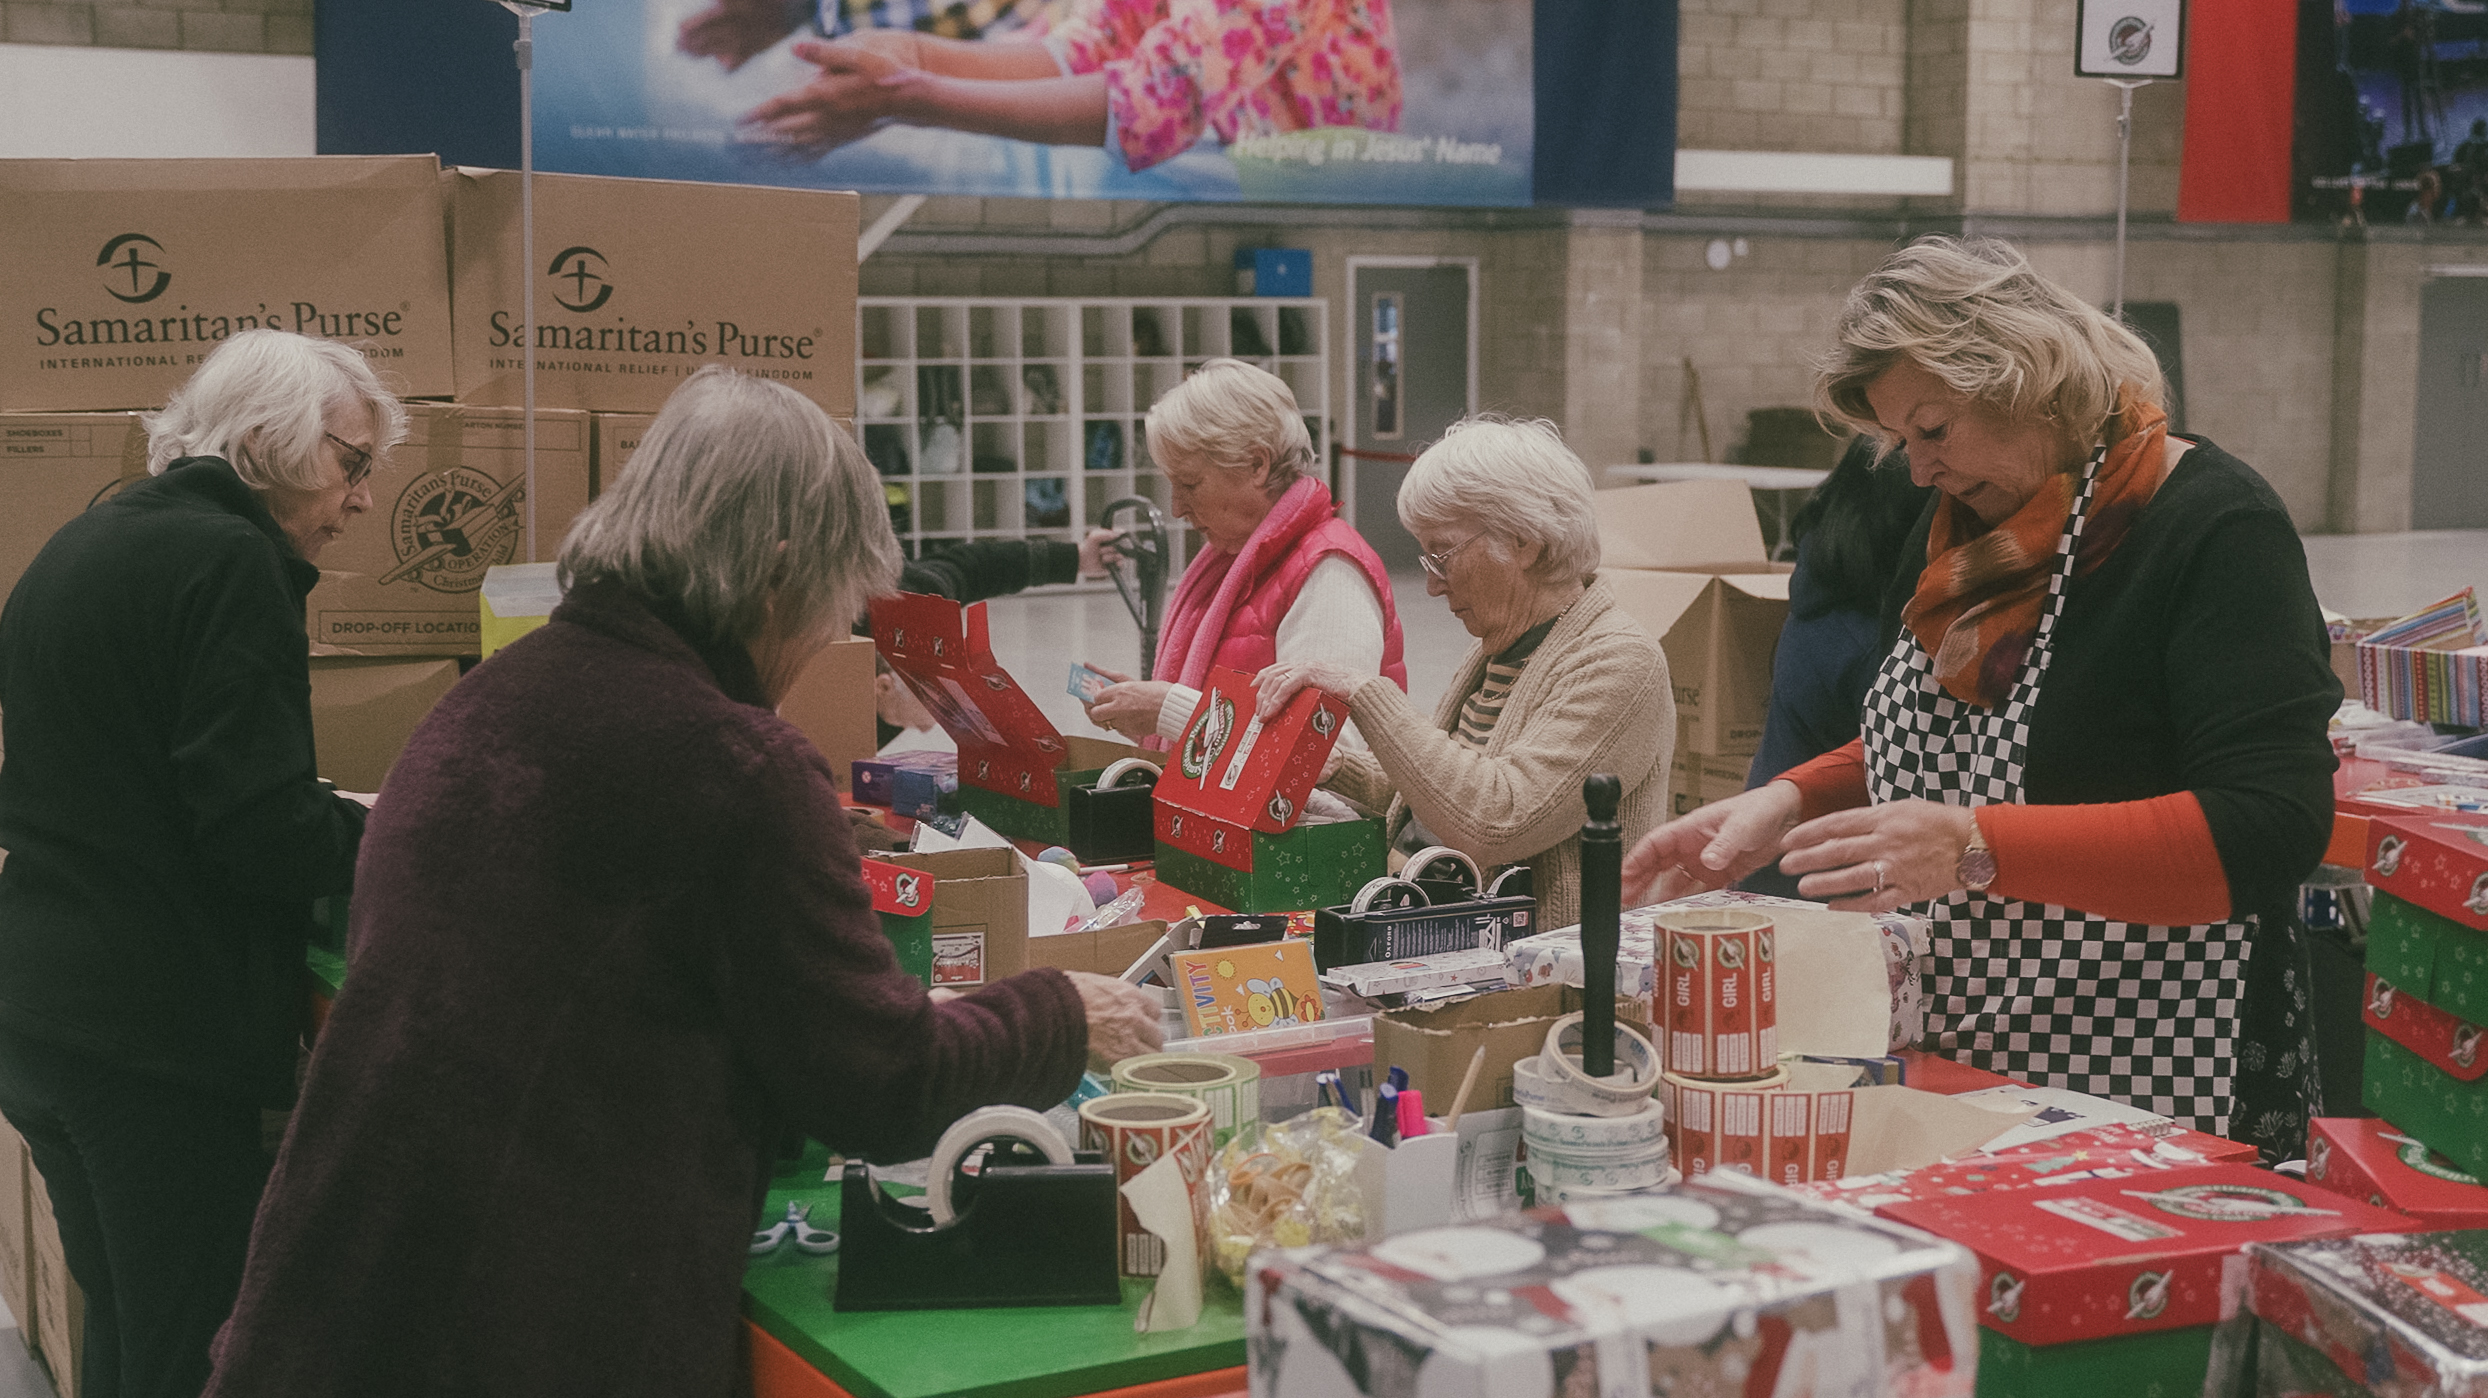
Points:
[(1977, 867)]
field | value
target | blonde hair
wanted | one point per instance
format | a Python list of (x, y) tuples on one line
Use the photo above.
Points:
[(741, 486), (1234, 416), (261, 401), (1975, 314), (1518, 484)]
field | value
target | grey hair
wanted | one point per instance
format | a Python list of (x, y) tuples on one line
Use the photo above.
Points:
[(1518, 483), (732, 468), (1974, 313), (1234, 416), (261, 402)]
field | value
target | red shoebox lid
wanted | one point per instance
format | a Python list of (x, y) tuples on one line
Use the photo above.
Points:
[(2105, 1257), (1231, 774), (1006, 743), (2106, 1152), (2436, 859), (2365, 1158)]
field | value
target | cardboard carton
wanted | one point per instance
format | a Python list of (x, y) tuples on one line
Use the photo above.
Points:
[(363, 708), (980, 914), (1231, 800), (1687, 561), (613, 438), (642, 282), (59, 1307), (2367, 1158), (1108, 951), (2097, 1258), (16, 1237), (54, 465), (450, 505), (1014, 766), (124, 274), (1711, 1287), (1435, 1045), (1695, 779), (2401, 1312), (832, 702)]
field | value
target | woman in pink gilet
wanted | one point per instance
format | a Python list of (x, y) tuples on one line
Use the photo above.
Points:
[(1282, 577)]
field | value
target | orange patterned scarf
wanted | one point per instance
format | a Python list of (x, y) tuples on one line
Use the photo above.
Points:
[(1976, 610)]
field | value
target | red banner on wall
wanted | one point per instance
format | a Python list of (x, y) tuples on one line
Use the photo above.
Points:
[(2241, 95)]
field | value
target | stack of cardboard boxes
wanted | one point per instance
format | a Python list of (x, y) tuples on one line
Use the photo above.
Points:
[(1688, 562), (125, 274)]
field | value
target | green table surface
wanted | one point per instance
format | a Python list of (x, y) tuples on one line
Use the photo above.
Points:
[(998, 1352)]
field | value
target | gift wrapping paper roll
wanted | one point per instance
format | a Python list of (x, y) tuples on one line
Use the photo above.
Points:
[(1719, 1006), (1229, 1084), (1133, 1129), (975, 1129), (1719, 1126)]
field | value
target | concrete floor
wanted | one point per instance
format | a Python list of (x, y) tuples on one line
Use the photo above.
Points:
[(20, 1375)]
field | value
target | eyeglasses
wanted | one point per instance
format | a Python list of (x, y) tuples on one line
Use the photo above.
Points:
[(358, 462), (1438, 565)]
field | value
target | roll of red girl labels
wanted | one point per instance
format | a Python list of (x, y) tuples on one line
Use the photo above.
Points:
[(1720, 1126), (1720, 1012), (1134, 1130)]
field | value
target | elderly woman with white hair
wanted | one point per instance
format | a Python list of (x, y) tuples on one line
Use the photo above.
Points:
[(611, 940), (166, 835), (1561, 684), (2095, 754), (1283, 577)]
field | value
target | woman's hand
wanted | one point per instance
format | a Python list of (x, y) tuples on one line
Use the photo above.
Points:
[(1097, 554), (861, 84), (1711, 848), (1128, 706), (734, 31), (1878, 858), (1122, 1019), (1279, 683)]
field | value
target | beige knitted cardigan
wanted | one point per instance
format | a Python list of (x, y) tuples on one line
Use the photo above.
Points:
[(1594, 697)]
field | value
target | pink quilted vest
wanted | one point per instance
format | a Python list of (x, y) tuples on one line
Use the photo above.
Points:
[(1251, 642)]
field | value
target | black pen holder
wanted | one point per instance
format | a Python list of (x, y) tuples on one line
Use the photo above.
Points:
[(1030, 1235)]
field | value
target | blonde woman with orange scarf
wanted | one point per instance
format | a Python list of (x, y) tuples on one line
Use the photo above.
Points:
[(2095, 754)]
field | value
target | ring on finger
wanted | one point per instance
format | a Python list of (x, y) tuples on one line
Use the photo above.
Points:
[(1880, 876)]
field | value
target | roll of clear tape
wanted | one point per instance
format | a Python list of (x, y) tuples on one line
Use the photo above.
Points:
[(975, 1129), (1620, 1093), (1122, 767), (1424, 859), (1575, 1134), (1401, 893)]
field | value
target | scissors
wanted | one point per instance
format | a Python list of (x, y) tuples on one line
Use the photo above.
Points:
[(796, 1224)]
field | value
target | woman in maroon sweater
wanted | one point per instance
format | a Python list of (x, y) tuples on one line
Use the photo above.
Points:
[(610, 937)]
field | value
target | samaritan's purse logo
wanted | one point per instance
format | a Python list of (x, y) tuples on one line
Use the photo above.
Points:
[(2226, 1203), (126, 264), (2129, 40), (578, 275), (451, 525)]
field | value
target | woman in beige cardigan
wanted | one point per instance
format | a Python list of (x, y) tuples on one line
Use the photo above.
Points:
[(1561, 683)]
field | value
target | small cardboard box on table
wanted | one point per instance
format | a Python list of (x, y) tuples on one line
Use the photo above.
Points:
[(363, 709), (1015, 768), (2424, 999), (642, 282), (1229, 819), (2368, 1158), (124, 274), (1687, 561), (16, 1237), (54, 465), (1721, 1286), (2383, 1314), (450, 505), (2108, 1285), (59, 1307)]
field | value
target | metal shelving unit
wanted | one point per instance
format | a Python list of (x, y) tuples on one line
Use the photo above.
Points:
[(1002, 418)]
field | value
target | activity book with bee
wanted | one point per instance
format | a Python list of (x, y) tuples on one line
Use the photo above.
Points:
[(1230, 990)]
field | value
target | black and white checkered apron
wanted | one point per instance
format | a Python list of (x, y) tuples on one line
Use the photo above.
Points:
[(2050, 995)]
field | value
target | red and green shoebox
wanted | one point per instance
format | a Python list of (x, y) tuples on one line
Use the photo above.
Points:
[(2371, 1159), (904, 900), (2114, 1284), (2424, 1073), (2390, 1313), (1014, 767), (1230, 806)]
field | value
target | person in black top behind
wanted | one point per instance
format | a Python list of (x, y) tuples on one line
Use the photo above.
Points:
[(971, 572), (166, 833)]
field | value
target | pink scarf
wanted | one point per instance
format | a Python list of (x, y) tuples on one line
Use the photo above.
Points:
[(1217, 581)]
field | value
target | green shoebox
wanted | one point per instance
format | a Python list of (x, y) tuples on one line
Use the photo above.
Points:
[(2156, 1364), (1311, 866), (2449, 1116), (2429, 955)]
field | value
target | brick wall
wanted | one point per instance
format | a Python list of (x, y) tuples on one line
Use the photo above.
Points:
[(1811, 75), (221, 26)]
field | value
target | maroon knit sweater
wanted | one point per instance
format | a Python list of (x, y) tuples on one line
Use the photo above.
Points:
[(609, 938)]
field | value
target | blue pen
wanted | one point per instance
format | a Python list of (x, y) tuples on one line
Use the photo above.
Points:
[(1399, 1078), (1385, 1125)]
